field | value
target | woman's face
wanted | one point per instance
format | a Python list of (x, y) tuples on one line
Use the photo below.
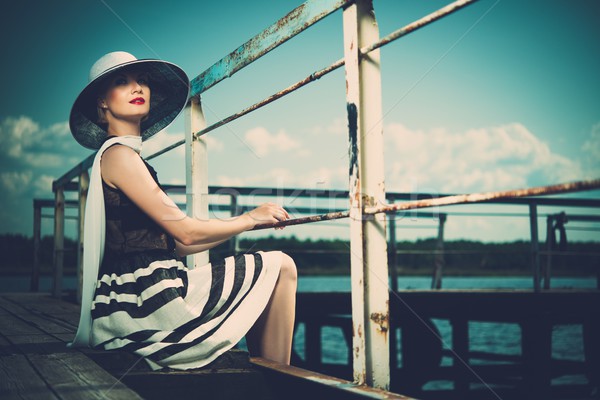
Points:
[(127, 96)]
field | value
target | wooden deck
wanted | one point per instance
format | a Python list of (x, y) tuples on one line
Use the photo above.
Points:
[(34, 360), (35, 363)]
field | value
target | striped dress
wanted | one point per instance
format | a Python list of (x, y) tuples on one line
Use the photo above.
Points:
[(149, 303)]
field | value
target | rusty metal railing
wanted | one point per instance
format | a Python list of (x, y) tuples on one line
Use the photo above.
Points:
[(434, 16), (367, 205)]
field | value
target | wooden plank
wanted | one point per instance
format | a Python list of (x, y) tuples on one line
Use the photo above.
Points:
[(291, 382), (31, 324), (481, 305), (47, 323), (30, 329), (121, 362), (65, 337), (11, 325), (6, 347), (74, 376), (46, 313), (38, 302), (201, 384), (18, 380), (37, 344)]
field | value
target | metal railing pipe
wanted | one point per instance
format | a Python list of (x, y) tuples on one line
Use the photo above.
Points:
[(281, 31)]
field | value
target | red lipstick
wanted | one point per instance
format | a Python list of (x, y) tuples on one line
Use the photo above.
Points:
[(138, 100)]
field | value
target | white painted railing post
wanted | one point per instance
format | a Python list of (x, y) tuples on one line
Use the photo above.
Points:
[(37, 233), (234, 211), (84, 183), (196, 167), (369, 268), (59, 240)]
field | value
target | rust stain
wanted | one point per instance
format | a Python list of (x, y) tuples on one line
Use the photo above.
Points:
[(483, 197), (382, 320), (368, 201)]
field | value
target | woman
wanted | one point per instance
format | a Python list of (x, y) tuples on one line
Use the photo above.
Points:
[(137, 295)]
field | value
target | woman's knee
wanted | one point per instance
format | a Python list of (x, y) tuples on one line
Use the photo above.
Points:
[(288, 268)]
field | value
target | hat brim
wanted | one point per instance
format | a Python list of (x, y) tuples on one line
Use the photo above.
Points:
[(170, 88)]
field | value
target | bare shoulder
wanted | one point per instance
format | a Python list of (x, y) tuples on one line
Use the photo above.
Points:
[(118, 153), (119, 162)]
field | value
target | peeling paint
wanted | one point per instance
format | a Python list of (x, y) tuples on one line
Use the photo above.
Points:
[(278, 33), (382, 320), (488, 196), (353, 140), (368, 201)]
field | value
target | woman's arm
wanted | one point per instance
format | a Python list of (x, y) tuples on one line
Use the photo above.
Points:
[(183, 250), (122, 167)]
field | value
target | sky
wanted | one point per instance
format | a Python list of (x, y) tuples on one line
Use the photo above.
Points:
[(503, 94)]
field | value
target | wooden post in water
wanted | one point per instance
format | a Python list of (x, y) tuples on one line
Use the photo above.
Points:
[(368, 258), (312, 342), (59, 240), (460, 352), (550, 244), (233, 209), (84, 183), (393, 253), (439, 259), (37, 229), (536, 348), (535, 247), (393, 267), (196, 163)]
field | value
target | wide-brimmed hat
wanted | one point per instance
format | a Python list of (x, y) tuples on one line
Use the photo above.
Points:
[(169, 86)]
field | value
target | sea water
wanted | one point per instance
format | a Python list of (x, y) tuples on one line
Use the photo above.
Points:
[(491, 337)]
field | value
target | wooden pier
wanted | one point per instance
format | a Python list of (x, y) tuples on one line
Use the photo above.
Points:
[(527, 373), (36, 364)]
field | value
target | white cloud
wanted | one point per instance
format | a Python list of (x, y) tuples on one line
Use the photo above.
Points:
[(324, 178), (162, 140), (31, 157), (165, 138), (223, 180), (15, 182), (23, 140), (493, 158), (214, 144), (263, 142), (339, 126), (591, 152), (17, 134), (43, 185), (44, 160)]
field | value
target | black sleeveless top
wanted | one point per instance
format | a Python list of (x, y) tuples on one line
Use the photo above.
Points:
[(130, 232)]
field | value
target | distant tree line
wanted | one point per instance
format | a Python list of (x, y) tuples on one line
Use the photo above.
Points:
[(462, 257)]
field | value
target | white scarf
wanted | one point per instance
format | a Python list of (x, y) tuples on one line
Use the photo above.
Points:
[(93, 239)]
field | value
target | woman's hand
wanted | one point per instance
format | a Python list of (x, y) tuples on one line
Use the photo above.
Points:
[(268, 213)]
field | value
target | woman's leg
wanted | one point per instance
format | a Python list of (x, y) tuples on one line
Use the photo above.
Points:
[(271, 335)]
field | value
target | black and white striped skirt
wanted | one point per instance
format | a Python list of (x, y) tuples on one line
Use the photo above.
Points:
[(178, 317)]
